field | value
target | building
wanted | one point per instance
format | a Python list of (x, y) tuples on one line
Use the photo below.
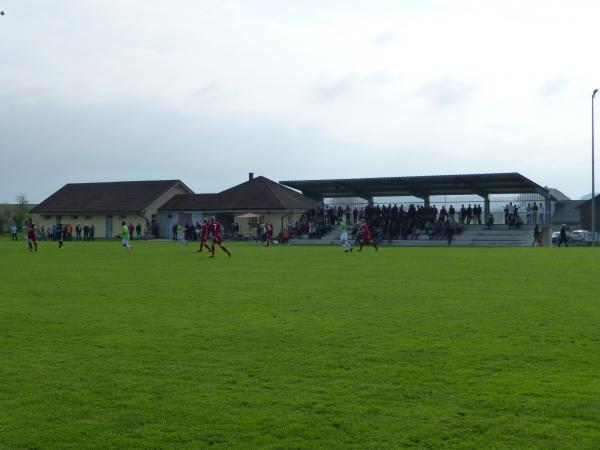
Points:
[(585, 209), (257, 200), (105, 205), (567, 212)]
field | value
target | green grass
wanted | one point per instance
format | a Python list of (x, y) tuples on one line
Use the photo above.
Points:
[(298, 347)]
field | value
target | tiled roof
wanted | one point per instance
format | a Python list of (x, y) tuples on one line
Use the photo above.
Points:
[(121, 196), (191, 202), (258, 194)]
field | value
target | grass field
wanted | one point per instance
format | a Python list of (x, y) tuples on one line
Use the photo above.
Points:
[(298, 347)]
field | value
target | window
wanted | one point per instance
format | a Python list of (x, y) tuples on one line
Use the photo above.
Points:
[(254, 221), (74, 217), (47, 217), (122, 217), (87, 217)]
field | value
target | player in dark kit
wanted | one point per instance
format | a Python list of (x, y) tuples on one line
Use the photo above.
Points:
[(203, 235), (59, 234), (31, 237), (216, 230), (365, 236)]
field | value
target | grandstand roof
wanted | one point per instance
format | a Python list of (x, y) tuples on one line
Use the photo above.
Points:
[(419, 186)]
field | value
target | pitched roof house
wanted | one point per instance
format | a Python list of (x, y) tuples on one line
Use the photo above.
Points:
[(268, 200), (255, 195), (105, 205)]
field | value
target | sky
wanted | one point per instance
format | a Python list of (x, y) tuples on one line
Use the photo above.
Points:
[(207, 91)]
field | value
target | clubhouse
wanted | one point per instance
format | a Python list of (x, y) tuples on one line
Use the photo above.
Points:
[(161, 204)]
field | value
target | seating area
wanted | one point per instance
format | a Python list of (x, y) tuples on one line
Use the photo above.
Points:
[(471, 236)]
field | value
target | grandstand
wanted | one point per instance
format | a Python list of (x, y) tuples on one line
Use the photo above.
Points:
[(429, 190)]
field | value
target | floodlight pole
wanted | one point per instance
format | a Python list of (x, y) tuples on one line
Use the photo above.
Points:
[(593, 176)]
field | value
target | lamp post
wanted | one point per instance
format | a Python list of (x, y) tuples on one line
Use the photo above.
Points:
[(593, 179)]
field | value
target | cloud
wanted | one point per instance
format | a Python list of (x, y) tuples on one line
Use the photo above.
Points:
[(386, 38), (383, 78), (554, 86), (445, 92), (330, 90), (207, 89), (352, 83)]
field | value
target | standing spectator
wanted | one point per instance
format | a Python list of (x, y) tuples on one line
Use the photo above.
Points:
[(78, 231), (563, 236), (68, 232), (542, 213), (355, 215), (348, 211), (469, 214), (537, 236), (86, 232), (534, 212), (528, 213), (511, 213), (131, 229), (138, 231), (91, 238), (13, 232), (450, 230), (59, 235)]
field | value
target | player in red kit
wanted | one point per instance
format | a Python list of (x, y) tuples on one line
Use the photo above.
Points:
[(216, 230), (203, 235), (31, 237), (269, 233), (365, 236)]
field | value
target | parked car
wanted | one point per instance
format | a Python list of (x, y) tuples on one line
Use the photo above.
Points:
[(581, 236), (556, 237)]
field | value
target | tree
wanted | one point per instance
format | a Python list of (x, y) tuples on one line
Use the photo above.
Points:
[(22, 208)]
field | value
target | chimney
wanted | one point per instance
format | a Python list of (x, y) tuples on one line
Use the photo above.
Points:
[(250, 176)]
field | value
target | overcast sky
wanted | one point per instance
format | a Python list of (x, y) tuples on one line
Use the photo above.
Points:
[(207, 91)]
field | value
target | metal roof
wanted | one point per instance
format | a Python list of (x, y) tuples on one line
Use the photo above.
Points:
[(419, 186)]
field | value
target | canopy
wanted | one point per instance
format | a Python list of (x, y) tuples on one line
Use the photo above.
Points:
[(249, 216), (419, 186)]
